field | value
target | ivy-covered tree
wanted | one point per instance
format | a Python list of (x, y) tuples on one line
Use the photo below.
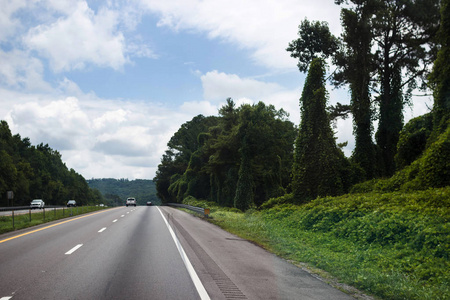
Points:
[(355, 67), (245, 185), (318, 163), (403, 33), (247, 146), (440, 76), (171, 178)]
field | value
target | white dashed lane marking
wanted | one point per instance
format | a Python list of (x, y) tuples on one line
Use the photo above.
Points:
[(115, 221), (74, 249), (103, 229)]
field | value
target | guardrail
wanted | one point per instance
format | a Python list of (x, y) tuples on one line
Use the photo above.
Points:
[(15, 212), (200, 210), (14, 208)]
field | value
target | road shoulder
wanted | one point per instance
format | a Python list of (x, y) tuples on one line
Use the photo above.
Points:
[(231, 267)]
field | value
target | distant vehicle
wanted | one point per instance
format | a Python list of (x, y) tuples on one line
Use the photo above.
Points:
[(102, 205), (37, 203), (149, 203), (72, 203), (131, 201)]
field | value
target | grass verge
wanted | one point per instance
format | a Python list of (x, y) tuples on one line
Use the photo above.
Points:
[(24, 219), (391, 245)]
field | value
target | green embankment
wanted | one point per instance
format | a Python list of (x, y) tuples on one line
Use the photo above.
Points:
[(391, 245)]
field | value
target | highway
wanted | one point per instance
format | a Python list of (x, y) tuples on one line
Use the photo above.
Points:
[(145, 253)]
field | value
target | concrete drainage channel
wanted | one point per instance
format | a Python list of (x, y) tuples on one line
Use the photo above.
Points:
[(226, 286)]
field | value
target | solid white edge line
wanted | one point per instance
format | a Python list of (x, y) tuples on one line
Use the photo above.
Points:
[(198, 284), (101, 230), (74, 249)]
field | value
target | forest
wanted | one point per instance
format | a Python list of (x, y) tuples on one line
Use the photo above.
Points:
[(116, 191), (37, 172), (388, 51)]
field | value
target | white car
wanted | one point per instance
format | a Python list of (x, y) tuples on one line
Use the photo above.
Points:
[(37, 203), (131, 201)]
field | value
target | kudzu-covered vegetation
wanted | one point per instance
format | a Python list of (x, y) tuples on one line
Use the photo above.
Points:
[(378, 220), (241, 158)]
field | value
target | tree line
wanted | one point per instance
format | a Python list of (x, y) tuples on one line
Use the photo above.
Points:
[(388, 49), (242, 156), (32, 172), (116, 191)]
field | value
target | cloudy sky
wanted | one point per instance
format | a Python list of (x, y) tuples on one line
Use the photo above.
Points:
[(107, 83)]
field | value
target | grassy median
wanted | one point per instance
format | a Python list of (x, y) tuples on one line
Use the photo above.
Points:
[(391, 245), (25, 218)]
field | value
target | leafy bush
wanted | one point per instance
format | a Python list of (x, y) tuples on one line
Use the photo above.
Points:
[(431, 170), (413, 140), (287, 198)]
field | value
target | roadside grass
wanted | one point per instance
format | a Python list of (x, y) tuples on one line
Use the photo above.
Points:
[(391, 245), (24, 219)]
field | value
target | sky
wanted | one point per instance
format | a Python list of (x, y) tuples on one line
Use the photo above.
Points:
[(107, 83)]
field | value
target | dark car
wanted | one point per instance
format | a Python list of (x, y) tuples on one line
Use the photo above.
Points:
[(149, 203), (72, 203)]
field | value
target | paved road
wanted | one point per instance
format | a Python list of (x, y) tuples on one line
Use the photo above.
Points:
[(130, 253), (233, 268), (135, 257)]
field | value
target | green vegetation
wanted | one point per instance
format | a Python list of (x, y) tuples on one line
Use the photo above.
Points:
[(116, 191), (319, 168), (392, 245), (38, 172), (24, 219), (391, 235), (241, 158)]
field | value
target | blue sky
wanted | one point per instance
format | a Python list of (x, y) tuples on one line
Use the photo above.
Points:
[(107, 83)]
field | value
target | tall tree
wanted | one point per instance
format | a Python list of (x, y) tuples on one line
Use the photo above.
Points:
[(315, 40), (356, 68), (440, 76), (318, 163), (403, 31)]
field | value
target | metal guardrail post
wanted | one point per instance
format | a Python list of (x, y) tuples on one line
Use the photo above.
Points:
[(204, 211)]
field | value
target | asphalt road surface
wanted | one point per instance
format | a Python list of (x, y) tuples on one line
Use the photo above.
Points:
[(145, 253)]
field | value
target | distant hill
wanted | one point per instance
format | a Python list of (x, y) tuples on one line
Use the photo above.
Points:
[(116, 191)]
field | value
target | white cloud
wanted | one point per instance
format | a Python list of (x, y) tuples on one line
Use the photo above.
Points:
[(219, 86), (20, 71), (61, 124), (262, 26), (8, 23), (205, 108), (100, 138), (80, 37), (110, 119)]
